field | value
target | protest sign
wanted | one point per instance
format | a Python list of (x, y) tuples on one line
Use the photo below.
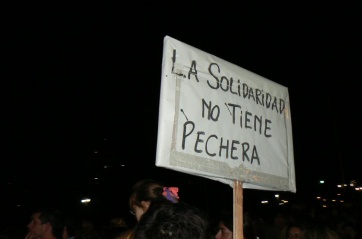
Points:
[(220, 121)]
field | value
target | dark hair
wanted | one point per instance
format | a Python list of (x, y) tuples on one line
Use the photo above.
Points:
[(167, 220), (54, 217), (146, 190), (226, 218)]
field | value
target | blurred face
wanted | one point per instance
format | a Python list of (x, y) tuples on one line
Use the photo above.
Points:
[(139, 211), (223, 232), (35, 228), (294, 233)]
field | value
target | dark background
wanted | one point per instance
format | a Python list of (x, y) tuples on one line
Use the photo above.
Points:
[(80, 87)]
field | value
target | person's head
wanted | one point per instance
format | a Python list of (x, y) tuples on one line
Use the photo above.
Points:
[(147, 191), (225, 225), (46, 223), (117, 226), (294, 231), (167, 220)]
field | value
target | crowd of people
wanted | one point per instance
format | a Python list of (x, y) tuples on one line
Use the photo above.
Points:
[(160, 214)]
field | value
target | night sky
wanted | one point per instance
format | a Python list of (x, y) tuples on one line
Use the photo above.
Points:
[(81, 84)]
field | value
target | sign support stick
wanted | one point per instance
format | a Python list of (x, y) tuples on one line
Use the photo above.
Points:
[(238, 232)]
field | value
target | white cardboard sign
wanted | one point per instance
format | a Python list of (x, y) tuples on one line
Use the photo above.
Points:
[(220, 121)]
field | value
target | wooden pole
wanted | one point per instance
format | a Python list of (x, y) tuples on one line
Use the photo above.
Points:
[(238, 232)]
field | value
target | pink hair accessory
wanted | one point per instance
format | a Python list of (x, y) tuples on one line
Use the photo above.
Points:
[(171, 193)]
